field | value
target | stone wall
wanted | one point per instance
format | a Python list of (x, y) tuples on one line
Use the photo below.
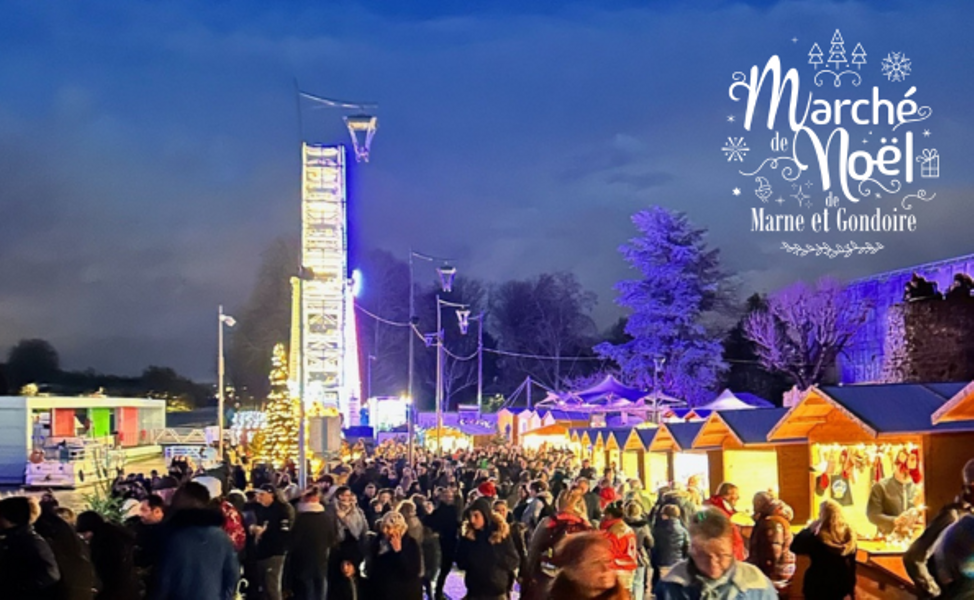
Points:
[(929, 340)]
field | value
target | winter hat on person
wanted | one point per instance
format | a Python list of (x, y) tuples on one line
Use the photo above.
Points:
[(488, 489), (607, 495), (130, 508), (212, 485)]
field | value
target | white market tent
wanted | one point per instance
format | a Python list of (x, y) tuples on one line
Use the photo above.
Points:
[(728, 400)]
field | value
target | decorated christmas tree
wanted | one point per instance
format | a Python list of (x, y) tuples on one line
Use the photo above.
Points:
[(280, 439)]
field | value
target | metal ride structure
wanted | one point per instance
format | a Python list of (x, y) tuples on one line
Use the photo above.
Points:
[(326, 374)]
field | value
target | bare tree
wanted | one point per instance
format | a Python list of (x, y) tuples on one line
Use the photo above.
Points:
[(549, 316), (804, 329)]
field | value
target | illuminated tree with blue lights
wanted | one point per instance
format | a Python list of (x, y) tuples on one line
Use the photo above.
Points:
[(680, 281)]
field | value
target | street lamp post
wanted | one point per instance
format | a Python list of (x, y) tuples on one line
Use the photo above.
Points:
[(446, 274), (462, 314), (229, 321), (658, 362)]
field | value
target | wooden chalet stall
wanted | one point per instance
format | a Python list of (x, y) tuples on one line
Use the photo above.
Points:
[(739, 452), (652, 459), (551, 436), (867, 435), (684, 461), (512, 422), (587, 439)]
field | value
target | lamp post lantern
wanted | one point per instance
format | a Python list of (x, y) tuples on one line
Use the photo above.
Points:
[(463, 314), (446, 275)]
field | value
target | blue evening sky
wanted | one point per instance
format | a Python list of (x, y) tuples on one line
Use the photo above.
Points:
[(149, 150)]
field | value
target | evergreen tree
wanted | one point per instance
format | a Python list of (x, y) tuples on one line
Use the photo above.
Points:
[(280, 442), (858, 56), (680, 283), (837, 52), (815, 56)]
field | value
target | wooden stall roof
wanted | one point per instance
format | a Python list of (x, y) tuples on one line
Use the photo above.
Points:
[(864, 412), (564, 415), (634, 441), (555, 429), (588, 437), (651, 439), (960, 407), (698, 414), (612, 438), (738, 428), (683, 434)]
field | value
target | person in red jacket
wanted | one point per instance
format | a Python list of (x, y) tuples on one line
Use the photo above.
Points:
[(625, 551), (725, 500)]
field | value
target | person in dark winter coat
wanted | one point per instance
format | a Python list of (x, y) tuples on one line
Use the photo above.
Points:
[(519, 533), (593, 505), (348, 585), (430, 545), (394, 563), (445, 521), (71, 554), (635, 518), (486, 553), (352, 531), (831, 545), (112, 554), (919, 556), (315, 532), (671, 539), (273, 535), (28, 569), (955, 560), (198, 561)]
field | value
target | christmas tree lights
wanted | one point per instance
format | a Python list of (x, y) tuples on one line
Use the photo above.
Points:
[(280, 438)]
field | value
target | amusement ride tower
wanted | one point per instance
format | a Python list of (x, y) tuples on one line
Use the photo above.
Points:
[(324, 337)]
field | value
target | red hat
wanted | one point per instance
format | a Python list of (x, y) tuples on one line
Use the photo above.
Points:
[(607, 495), (487, 488)]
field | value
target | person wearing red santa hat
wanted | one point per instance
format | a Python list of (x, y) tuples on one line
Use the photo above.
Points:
[(487, 489)]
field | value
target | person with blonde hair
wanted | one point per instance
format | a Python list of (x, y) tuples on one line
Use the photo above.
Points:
[(539, 568), (830, 543), (586, 570), (394, 564), (635, 518)]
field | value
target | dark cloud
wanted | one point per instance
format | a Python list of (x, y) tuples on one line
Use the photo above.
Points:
[(149, 153)]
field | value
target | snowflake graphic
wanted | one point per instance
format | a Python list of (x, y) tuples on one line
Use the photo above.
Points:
[(896, 66), (735, 149)]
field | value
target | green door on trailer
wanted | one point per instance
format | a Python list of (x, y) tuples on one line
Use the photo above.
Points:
[(101, 422)]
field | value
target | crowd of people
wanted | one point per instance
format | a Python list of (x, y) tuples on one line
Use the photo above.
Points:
[(542, 524)]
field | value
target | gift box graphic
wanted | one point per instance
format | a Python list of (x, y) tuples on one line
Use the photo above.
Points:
[(929, 163)]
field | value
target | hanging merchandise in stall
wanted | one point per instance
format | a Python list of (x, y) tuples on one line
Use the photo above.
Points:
[(852, 474)]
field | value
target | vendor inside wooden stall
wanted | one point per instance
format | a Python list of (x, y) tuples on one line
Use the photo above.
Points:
[(872, 451), (689, 468)]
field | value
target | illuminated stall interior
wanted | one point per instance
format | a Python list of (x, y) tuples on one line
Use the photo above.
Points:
[(552, 436), (736, 442), (861, 435), (651, 455), (685, 462), (588, 439)]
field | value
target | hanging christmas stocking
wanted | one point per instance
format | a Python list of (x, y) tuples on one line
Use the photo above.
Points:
[(913, 465)]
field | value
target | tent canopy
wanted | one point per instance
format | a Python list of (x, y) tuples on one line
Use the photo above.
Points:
[(728, 400)]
